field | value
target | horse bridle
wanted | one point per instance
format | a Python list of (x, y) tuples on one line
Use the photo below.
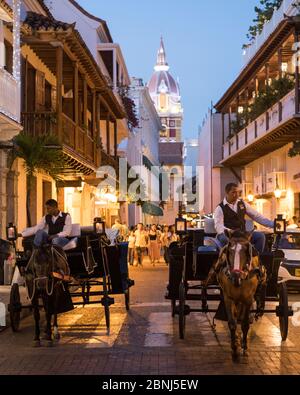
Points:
[(228, 270)]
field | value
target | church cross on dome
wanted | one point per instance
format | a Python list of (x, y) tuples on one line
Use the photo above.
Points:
[(161, 64)]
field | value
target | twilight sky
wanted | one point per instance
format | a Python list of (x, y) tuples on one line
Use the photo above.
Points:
[(203, 41)]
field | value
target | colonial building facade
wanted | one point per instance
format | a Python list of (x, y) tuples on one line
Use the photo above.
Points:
[(142, 151), (260, 118), (68, 91), (10, 85)]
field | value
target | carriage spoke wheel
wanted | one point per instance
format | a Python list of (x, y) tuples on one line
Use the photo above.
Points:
[(284, 311), (127, 299), (15, 307), (107, 318), (181, 310), (173, 307)]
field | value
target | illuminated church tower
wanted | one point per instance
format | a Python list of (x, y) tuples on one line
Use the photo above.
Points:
[(165, 93)]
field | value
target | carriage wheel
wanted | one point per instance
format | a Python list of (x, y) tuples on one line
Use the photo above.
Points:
[(173, 306), (181, 310), (15, 307), (107, 318), (127, 299), (284, 311)]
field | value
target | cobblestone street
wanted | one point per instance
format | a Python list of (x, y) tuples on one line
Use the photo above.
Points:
[(145, 340)]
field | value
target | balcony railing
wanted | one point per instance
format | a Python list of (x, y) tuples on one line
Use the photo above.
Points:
[(108, 160), (9, 95), (72, 135), (275, 180), (265, 184), (280, 112)]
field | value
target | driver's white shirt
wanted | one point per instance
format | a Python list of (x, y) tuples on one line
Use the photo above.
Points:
[(253, 214), (67, 230)]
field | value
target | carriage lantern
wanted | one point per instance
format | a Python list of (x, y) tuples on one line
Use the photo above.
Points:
[(180, 226), (99, 226), (11, 232), (279, 225)]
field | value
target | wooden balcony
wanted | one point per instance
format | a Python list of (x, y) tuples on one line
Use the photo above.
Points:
[(77, 143), (270, 131)]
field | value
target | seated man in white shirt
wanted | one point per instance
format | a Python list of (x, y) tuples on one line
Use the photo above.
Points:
[(54, 227), (230, 214)]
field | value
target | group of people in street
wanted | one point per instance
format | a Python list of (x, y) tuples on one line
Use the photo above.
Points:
[(151, 240)]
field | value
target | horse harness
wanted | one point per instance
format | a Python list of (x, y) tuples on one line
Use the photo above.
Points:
[(253, 265), (62, 274)]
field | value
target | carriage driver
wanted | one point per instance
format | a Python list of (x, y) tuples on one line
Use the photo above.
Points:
[(230, 214), (53, 228)]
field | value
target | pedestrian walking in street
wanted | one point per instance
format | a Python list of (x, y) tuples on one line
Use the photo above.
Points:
[(154, 252), (141, 242), (131, 246), (165, 243)]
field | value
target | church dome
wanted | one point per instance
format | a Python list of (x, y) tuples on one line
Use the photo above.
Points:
[(162, 81)]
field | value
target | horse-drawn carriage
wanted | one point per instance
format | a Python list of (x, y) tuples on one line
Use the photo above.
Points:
[(93, 260), (191, 264)]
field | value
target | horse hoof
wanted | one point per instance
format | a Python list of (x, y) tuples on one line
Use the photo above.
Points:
[(36, 343), (235, 357), (49, 343)]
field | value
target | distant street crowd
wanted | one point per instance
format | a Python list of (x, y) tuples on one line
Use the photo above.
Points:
[(149, 240)]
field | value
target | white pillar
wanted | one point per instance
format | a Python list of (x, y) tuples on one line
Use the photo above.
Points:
[(17, 51), (2, 46)]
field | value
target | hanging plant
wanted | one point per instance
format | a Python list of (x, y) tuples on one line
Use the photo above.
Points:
[(275, 92), (295, 150), (129, 107)]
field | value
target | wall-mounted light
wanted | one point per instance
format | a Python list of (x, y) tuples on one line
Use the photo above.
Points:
[(284, 67), (278, 191), (250, 197)]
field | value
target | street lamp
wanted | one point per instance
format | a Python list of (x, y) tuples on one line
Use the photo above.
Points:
[(180, 226), (99, 226), (11, 232), (279, 225)]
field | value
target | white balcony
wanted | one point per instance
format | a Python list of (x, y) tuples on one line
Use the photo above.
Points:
[(269, 27), (270, 131), (9, 96), (275, 180), (258, 185)]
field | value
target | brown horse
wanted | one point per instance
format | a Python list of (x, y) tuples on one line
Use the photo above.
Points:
[(44, 276), (239, 275)]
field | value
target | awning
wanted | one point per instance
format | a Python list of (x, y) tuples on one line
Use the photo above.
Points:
[(151, 209), (150, 166)]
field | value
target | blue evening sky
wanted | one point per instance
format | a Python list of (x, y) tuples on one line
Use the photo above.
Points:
[(203, 41)]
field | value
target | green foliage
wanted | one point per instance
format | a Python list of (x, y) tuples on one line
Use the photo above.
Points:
[(263, 14), (263, 101), (39, 154), (273, 93), (295, 150)]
